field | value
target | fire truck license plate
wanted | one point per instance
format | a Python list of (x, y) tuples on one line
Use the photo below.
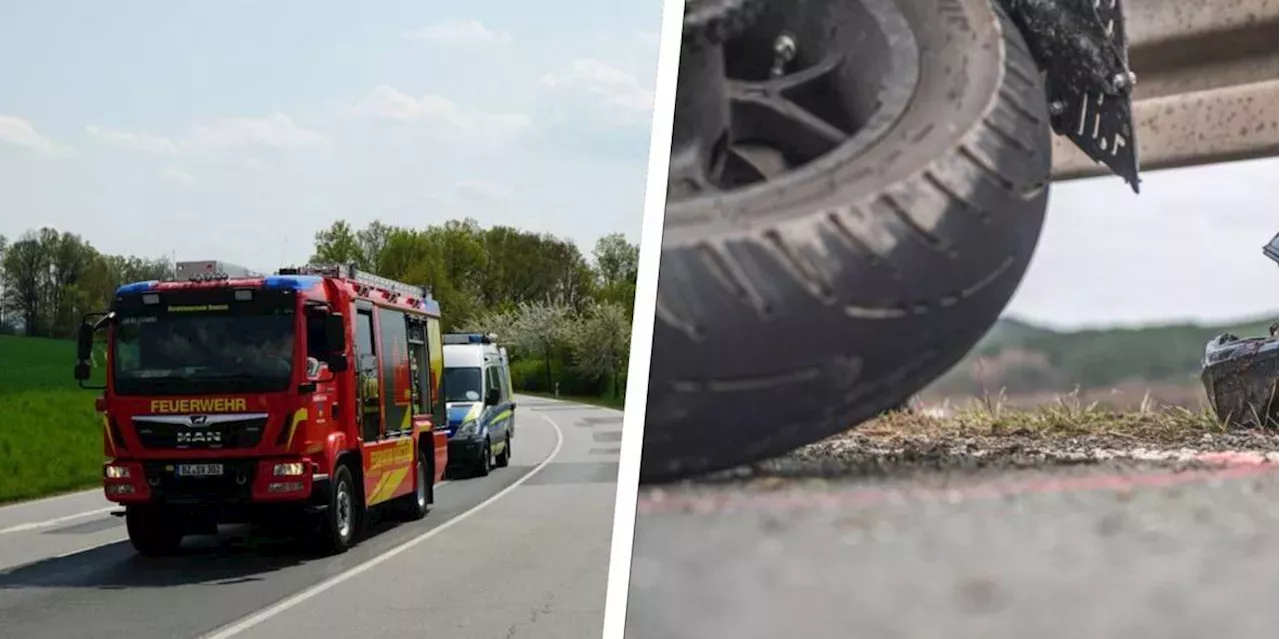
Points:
[(198, 470)]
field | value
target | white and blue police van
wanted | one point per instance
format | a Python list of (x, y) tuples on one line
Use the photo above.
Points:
[(478, 401)]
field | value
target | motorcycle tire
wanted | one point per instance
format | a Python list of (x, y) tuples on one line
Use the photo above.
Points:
[(796, 308)]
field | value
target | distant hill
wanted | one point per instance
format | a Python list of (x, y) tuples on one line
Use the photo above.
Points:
[(1025, 359)]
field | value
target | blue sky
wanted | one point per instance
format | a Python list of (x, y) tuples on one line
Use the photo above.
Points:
[(1189, 248), (236, 129)]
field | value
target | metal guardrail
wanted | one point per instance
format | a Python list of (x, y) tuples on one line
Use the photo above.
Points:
[(1207, 85)]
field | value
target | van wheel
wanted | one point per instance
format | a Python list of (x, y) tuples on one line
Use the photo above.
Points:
[(504, 458), (417, 504), (486, 459), (153, 531), (341, 519), (840, 233)]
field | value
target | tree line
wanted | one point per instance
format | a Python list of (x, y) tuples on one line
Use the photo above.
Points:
[(1022, 358), (564, 316)]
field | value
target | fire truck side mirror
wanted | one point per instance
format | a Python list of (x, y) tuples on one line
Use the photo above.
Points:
[(84, 343), (82, 371), (335, 334)]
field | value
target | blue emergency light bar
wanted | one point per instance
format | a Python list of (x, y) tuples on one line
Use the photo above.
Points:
[(469, 338)]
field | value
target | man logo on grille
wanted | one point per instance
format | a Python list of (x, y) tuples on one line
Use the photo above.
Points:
[(199, 420)]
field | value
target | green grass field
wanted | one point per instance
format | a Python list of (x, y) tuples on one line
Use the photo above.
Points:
[(50, 436)]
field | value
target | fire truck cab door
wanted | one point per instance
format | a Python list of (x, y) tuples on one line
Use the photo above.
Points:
[(386, 430)]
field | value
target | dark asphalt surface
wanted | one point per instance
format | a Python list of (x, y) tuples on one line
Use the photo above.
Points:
[(1101, 551), (542, 549)]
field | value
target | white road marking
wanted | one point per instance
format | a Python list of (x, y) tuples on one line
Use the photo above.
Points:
[(18, 506), (267, 613), (55, 521), (88, 513), (86, 549)]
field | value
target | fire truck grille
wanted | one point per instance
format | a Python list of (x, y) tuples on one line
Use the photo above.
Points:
[(241, 433), (234, 485)]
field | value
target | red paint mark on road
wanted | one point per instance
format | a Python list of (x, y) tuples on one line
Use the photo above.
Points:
[(1232, 458), (800, 499)]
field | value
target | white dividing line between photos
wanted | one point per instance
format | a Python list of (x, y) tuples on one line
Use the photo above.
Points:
[(289, 602), (655, 205)]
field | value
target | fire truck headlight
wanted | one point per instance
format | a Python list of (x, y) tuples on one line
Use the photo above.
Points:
[(116, 472), (289, 469)]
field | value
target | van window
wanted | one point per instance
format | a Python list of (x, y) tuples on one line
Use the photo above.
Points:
[(491, 380), (463, 384), (504, 383)]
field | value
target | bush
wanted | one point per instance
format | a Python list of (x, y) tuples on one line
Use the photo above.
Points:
[(530, 374)]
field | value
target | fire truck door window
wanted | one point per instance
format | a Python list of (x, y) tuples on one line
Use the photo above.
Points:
[(316, 346), (397, 396), (419, 374), (435, 353), (370, 391)]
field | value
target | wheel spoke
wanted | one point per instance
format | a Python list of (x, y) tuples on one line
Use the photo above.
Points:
[(749, 163), (795, 131), (789, 83)]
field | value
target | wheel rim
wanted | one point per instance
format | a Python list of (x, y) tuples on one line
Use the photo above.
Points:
[(343, 508), (422, 484), (776, 95)]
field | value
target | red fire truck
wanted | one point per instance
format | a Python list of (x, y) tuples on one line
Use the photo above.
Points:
[(300, 399)]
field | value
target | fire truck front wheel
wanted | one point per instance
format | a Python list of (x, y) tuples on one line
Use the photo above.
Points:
[(153, 531), (338, 521)]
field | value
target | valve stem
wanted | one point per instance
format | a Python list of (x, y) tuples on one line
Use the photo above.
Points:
[(784, 51)]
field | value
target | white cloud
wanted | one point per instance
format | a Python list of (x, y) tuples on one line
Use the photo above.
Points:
[(617, 91), (145, 142), (277, 131), (178, 175), (16, 131), (439, 113), (459, 32)]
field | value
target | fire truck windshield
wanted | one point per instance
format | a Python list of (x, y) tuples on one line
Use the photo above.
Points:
[(203, 353), (462, 384)]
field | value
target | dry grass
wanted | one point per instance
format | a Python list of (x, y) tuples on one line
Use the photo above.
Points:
[(1067, 418)]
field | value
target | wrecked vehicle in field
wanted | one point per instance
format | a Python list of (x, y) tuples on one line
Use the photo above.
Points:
[(1239, 374)]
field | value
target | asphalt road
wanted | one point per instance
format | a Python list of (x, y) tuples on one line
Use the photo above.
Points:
[(1106, 551), (523, 553)]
